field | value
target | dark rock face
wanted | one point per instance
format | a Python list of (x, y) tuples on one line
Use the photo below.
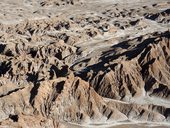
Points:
[(74, 63)]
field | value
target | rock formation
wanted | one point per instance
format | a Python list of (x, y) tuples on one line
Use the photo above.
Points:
[(76, 63)]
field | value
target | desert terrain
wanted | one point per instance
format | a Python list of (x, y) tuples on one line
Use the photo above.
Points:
[(84, 63)]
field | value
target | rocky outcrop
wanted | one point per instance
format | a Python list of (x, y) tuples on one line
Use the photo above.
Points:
[(141, 70), (69, 99)]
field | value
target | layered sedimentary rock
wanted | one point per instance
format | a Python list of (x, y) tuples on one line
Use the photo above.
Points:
[(84, 63)]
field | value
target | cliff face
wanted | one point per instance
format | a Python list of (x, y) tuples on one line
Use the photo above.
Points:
[(84, 63)]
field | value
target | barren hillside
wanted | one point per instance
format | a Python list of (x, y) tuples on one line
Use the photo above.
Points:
[(84, 63)]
